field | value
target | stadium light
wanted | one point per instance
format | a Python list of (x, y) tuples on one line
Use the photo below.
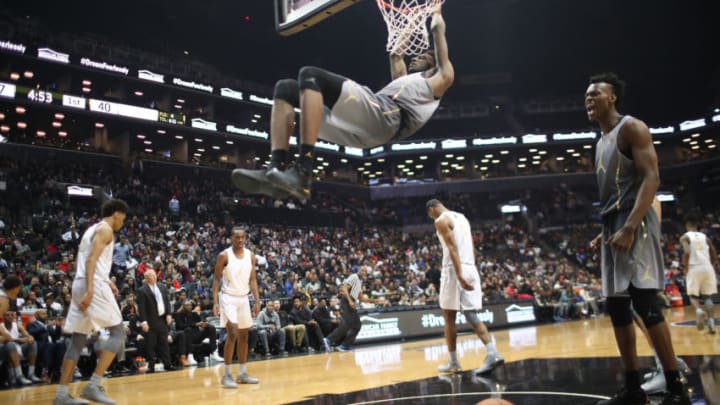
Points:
[(692, 124), (534, 138)]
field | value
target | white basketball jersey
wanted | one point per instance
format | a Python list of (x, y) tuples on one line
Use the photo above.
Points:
[(104, 263), (463, 239), (236, 274), (699, 249), (14, 332)]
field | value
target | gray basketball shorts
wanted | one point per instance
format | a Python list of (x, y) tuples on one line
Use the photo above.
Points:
[(360, 118), (642, 266)]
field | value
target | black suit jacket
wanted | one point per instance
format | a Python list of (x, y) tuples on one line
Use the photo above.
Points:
[(56, 333), (39, 331), (148, 310), (184, 320)]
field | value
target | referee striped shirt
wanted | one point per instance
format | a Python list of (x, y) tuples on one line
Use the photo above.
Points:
[(355, 286)]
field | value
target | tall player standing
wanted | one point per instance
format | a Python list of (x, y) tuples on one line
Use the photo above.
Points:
[(93, 305), (628, 177), (236, 266), (460, 285)]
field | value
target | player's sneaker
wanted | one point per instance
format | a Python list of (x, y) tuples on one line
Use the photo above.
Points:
[(449, 368), (68, 399), (22, 380), (295, 180), (228, 382), (244, 378), (655, 384), (492, 361), (96, 393), (256, 182)]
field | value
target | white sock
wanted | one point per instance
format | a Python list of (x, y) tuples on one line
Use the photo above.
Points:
[(96, 380), (228, 369), (710, 310), (491, 349), (31, 371), (62, 391), (190, 357), (18, 372), (453, 357), (242, 369)]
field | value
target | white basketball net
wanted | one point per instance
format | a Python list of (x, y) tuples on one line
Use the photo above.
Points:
[(407, 24)]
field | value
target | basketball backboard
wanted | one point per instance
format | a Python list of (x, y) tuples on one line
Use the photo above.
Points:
[(293, 16)]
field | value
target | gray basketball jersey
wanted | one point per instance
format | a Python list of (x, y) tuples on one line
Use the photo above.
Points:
[(617, 179), (413, 94)]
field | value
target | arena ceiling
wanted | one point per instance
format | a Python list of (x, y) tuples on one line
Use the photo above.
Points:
[(504, 51)]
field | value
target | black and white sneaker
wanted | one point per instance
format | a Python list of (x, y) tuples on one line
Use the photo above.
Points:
[(295, 180), (256, 182)]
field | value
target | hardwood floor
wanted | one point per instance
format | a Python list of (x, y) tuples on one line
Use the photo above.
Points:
[(290, 379)]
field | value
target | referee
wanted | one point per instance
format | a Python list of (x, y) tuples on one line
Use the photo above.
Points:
[(349, 327)]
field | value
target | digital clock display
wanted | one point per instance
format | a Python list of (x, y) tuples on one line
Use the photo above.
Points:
[(172, 118), (40, 96)]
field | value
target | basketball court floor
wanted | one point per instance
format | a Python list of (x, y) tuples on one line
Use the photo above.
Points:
[(564, 363)]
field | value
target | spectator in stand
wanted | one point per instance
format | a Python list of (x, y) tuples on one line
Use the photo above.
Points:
[(174, 206), (50, 350), (130, 308), (196, 330), (301, 315), (121, 255), (296, 333), (178, 343), (65, 265), (16, 340), (321, 314), (154, 306), (270, 321)]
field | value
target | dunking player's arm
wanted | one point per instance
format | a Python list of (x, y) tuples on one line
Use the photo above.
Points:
[(444, 228), (397, 66), (445, 74), (102, 237), (635, 137)]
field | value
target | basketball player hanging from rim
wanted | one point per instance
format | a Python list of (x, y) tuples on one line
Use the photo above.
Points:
[(337, 109)]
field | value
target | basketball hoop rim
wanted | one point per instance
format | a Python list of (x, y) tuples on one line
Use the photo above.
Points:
[(383, 4)]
